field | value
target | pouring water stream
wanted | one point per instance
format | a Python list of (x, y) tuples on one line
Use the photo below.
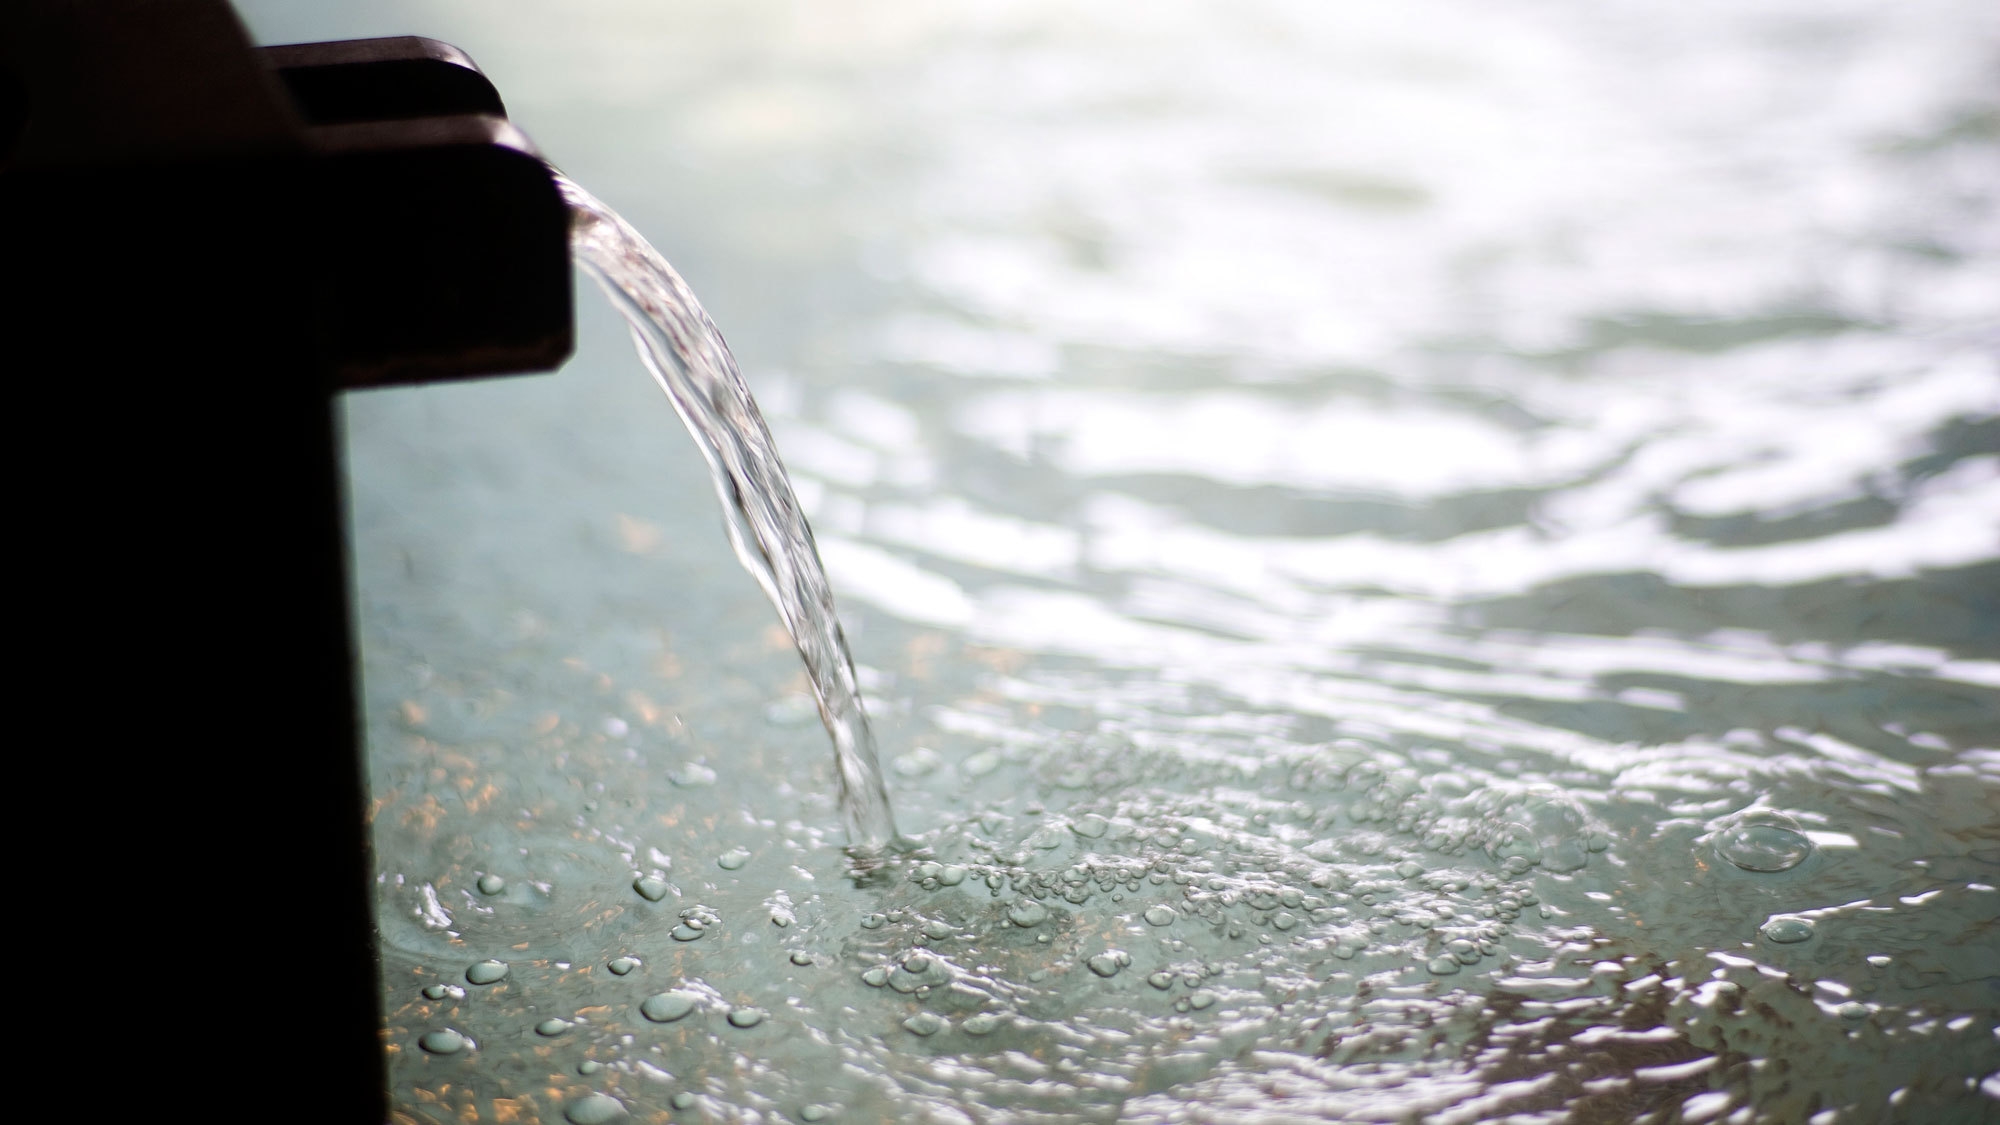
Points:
[(686, 355)]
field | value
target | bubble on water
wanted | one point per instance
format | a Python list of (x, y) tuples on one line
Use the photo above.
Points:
[(924, 1023), (1787, 929), (1090, 826), (486, 972), (981, 764), (917, 762), (951, 876), (1763, 841), (1160, 915), (982, 1023), (1027, 912), (652, 888), (733, 859), (666, 1007), (491, 884), (801, 957), (875, 977), (620, 966), (594, 1109), (552, 1026), (745, 1017), (1109, 962), (691, 775), (445, 1042), (1564, 855)]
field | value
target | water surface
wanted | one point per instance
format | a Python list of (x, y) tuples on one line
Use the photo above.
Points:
[(1433, 563)]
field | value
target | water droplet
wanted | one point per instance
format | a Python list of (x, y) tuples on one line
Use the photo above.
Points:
[(1161, 980), (917, 762), (486, 972), (952, 876), (815, 1113), (1028, 912), (1852, 1010), (552, 1026), (619, 966), (666, 1007), (980, 1024), (1770, 842), (446, 1042), (733, 859), (981, 764), (873, 922), (1409, 869), (1443, 966), (1202, 998), (875, 977), (594, 1109), (801, 957), (1107, 963), (490, 884), (440, 991), (681, 1099), (745, 1017), (1090, 826), (923, 1023), (1284, 920), (916, 962), (652, 888), (684, 932), (692, 775), (1787, 929), (1161, 915), (589, 1066), (937, 929)]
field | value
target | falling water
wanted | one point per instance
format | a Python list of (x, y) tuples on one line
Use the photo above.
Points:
[(688, 358)]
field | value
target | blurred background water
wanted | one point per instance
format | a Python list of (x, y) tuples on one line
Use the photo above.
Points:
[(1434, 562)]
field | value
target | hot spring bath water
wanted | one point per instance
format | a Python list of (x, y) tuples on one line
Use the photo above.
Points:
[(1475, 607)]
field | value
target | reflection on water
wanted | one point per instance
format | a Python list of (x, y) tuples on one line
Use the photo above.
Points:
[(1432, 562)]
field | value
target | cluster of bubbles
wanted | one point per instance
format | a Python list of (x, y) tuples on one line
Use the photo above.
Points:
[(1371, 933)]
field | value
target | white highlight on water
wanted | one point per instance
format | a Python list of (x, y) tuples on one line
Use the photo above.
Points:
[(688, 358)]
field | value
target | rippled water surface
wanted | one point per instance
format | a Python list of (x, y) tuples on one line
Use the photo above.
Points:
[(1428, 563)]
